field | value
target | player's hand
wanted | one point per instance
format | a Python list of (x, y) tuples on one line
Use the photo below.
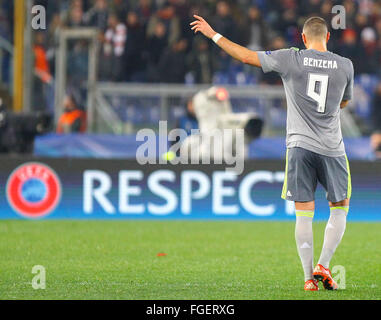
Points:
[(200, 25)]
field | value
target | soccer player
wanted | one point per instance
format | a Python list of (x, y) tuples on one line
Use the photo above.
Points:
[(318, 83)]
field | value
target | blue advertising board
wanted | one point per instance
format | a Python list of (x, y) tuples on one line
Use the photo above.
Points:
[(109, 146), (40, 188)]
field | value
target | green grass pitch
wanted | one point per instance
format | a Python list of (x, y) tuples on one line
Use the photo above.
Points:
[(205, 260)]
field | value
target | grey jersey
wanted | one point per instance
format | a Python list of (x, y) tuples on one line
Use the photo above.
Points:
[(315, 84)]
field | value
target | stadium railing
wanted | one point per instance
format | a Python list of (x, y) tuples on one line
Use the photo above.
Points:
[(121, 108)]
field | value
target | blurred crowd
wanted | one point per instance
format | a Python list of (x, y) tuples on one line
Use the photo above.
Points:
[(150, 40)]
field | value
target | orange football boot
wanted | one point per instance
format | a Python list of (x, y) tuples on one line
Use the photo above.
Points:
[(324, 275), (311, 285)]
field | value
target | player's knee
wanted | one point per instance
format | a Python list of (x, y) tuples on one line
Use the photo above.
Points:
[(310, 205), (344, 203)]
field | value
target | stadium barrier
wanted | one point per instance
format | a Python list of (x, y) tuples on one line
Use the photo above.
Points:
[(109, 146), (125, 108), (39, 188)]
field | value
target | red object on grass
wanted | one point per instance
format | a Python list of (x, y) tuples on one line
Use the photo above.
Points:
[(161, 254)]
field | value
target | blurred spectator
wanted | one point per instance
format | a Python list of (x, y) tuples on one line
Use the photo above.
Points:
[(159, 42), (326, 10), (350, 13), (146, 28), (74, 17), (42, 73), (223, 20), (257, 30), (361, 22), (113, 49), (168, 17), (52, 34), (134, 54), (172, 66), (349, 46), (376, 121), (97, 16), (376, 109), (73, 119), (42, 69), (115, 36), (182, 8), (310, 7), (288, 23), (144, 10), (369, 55), (6, 34), (188, 121), (120, 7), (201, 62)]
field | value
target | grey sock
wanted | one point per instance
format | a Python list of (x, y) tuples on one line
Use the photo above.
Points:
[(304, 241), (334, 232)]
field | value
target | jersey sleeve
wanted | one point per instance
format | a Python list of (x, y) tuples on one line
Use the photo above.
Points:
[(278, 60), (348, 92)]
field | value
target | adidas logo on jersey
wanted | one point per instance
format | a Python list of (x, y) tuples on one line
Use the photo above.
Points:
[(289, 194)]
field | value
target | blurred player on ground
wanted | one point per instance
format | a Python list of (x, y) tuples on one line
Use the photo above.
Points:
[(318, 83)]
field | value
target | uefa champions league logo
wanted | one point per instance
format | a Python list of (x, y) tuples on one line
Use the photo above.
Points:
[(33, 190)]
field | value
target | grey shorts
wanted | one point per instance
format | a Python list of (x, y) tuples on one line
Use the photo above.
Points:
[(304, 169)]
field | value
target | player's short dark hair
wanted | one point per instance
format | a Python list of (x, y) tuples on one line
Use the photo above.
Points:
[(315, 27)]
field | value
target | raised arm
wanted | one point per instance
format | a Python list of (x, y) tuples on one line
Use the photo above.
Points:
[(235, 50)]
